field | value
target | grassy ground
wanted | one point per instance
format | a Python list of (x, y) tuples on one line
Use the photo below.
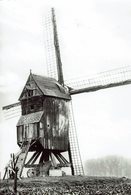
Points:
[(74, 185)]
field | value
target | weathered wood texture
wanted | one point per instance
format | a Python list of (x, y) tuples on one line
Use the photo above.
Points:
[(32, 105), (51, 128), (55, 124), (44, 118)]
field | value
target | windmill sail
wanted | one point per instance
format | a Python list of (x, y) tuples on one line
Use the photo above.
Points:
[(53, 57), (57, 50), (12, 111), (108, 79), (74, 151), (50, 53), (11, 106)]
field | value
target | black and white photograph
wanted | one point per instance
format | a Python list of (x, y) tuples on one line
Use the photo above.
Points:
[(65, 97)]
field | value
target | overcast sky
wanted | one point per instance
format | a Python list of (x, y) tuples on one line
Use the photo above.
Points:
[(95, 35)]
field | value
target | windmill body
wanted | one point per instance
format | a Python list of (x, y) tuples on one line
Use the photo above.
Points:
[(44, 117), (44, 124)]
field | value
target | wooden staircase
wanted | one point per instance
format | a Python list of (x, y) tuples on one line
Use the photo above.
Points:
[(22, 158)]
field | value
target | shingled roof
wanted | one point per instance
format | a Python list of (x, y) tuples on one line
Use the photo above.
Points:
[(30, 118), (49, 86)]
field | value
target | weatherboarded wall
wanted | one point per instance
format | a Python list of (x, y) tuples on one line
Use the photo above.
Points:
[(47, 122), (55, 124)]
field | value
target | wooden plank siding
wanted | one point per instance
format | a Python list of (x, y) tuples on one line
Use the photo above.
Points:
[(32, 105), (44, 104), (55, 124), (51, 129)]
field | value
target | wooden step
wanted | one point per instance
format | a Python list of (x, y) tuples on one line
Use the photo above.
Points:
[(22, 158)]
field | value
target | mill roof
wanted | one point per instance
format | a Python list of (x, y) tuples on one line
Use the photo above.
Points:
[(49, 86), (30, 118)]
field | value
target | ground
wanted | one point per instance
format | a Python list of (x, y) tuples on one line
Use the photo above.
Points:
[(68, 185)]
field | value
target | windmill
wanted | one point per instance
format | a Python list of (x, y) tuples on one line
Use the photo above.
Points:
[(46, 126)]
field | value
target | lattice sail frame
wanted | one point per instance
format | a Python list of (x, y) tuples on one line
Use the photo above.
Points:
[(49, 47), (74, 144), (106, 79)]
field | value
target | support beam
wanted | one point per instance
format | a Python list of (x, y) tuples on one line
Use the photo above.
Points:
[(70, 158), (41, 158), (64, 160), (53, 159), (58, 158), (36, 157), (33, 156)]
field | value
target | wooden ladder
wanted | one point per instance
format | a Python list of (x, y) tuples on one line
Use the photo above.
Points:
[(22, 158)]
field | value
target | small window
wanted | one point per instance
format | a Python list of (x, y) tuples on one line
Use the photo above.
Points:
[(20, 133), (30, 93), (48, 125), (34, 92), (32, 107), (41, 130), (41, 125)]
